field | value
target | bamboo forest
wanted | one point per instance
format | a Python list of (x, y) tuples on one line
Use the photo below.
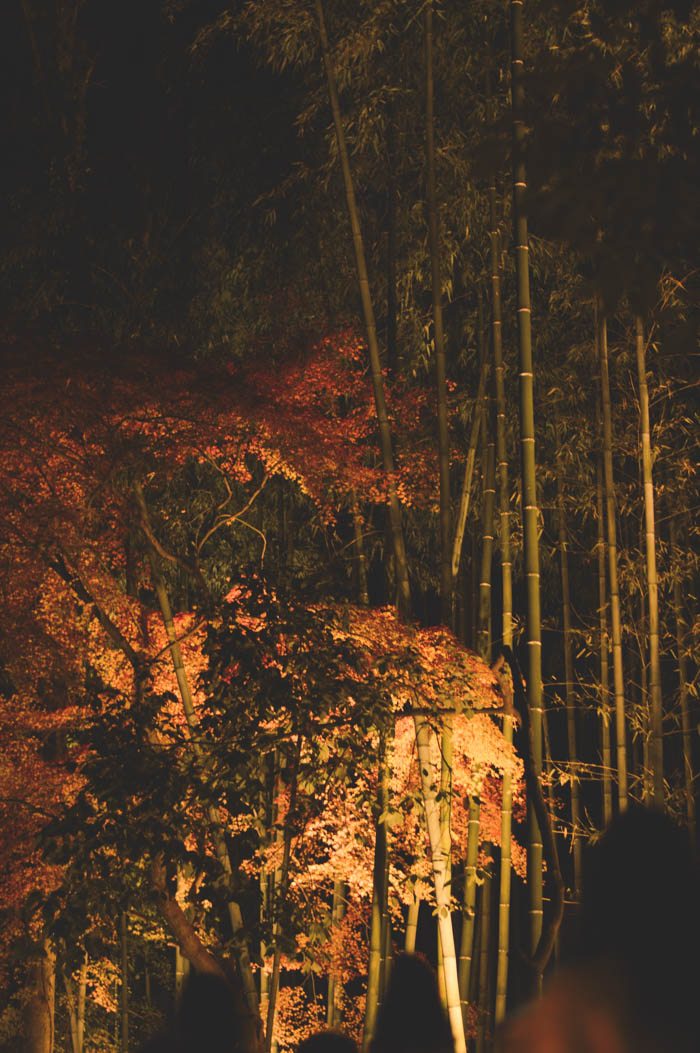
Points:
[(349, 490)]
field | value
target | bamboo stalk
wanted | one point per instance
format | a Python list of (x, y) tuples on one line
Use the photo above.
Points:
[(506, 598), (606, 752), (686, 726), (618, 677), (281, 887), (374, 968), (466, 949), (535, 699), (442, 888), (656, 745), (440, 368), (484, 962), (569, 690), (335, 987), (411, 927), (124, 983)]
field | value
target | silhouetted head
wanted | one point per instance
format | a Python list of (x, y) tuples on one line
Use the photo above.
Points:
[(206, 1020), (328, 1042), (641, 916), (411, 1018)]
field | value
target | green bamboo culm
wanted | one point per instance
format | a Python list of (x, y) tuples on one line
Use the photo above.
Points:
[(335, 987), (483, 991), (570, 695), (504, 886), (611, 521), (443, 446), (606, 752), (656, 743), (488, 501), (374, 971), (535, 701), (466, 946), (124, 984), (686, 724), (411, 926), (439, 335)]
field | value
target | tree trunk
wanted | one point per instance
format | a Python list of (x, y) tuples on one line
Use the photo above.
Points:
[(489, 495), (604, 652), (363, 586), (282, 884), (124, 982), (535, 699), (442, 888), (75, 999), (411, 927), (435, 260), (468, 476), (506, 600), (445, 823), (620, 730), (335, 987), (656, 744), (466, 948), (569, 690), (38, 1011), (483, 997), (686, 724), (374, 969)]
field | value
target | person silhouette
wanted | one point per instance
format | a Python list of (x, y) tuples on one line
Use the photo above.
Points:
[(633, 978), (328, 1042), (411, 1018)]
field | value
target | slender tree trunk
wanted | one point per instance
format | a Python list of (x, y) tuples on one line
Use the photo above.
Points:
[(374, 970), (606, 752), (38, 1010), (656, 746), (411, 927), (124, 982), (442, 887), (506, 599), (466, 949), (643, 722), (75, 999), (445, 823), (391, 305), (483, 997), (335, 987), (282, 886), (686, 724), (620, 730), (569, 690), (182, 970), (360, 550), (489, 495), (468, 476), (435, 261), (535, 700)]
